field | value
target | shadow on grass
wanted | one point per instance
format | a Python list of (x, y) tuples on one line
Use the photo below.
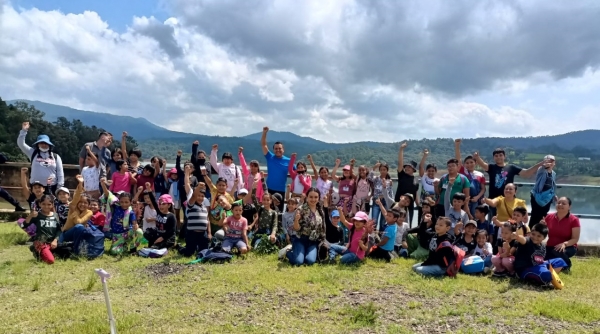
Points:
[(13, 239)]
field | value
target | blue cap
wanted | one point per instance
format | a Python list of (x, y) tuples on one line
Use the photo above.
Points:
[(43, 139), (335, 213)]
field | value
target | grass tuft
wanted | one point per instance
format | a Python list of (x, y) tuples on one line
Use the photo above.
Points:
[(364, 315)]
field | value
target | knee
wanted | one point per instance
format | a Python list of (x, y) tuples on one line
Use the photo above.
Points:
[(243, 250)]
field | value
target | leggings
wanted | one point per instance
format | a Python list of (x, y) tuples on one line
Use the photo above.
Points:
[(126, 242)]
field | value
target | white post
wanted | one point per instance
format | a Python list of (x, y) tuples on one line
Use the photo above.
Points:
[(103, 276)]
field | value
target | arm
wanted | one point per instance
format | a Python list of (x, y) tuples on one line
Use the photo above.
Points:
[(82, 156), (186, 184), (85, 218), (343, 218), (312, 165), (575, 233), (529, 172), (245, 236), (124, 145), (91, 155), (480, 162), (132, 178), (273, 224), (194, 157), (288, 192), (334, 171), (457, 151), (491, 202), (422, 163), (296, 226), (263, 141), (214, 161), (24, 183), (234, 188), (520, 239), (60, 173), (178, 162), (153, 200), (245, 169), (401, 157), (291, 170), (26, 149), (77, 194)]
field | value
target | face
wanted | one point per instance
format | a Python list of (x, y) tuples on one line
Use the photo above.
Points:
[(94, 207), (37, 190), (506, 232), (441, 227), (452, 168), (358, 223), (404, 201), (222, 201), (409, 170), (335, 220), (200, 197), (254, 168), (43, 146), (457, 203), (278, 150), (147, 199), (346, 173), (312, 198), (133, 157), (63, 197), (227, 161), (536, 237), (362, 171), (563, 205), (103, 140), (470, 165), (499, 158), (124, 167), (221, 186), (324, 174), (383, 170), (117, 156), (481, 239), (125, 202), (431, 172), (510, 190), (426, 209), (470, 229), (164, 206), (46, 206), (174, 176), (517, 216), (300, 168), (389, 218), (292, 206), (146, 172), (202, 156), (267, 200), (83, 204), (479, 215), (401, 219), (237, 211)]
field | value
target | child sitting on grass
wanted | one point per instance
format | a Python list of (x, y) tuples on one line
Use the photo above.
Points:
[(62, 204), (98, 218), (434, 265), (529, 259), (236, 228), (465, 240), (385, 248), (287, 225), (484, 249), (355, 250), (400, 244), (163, 236), (507, 246), (122, 227), (266, 222), (47, 229)]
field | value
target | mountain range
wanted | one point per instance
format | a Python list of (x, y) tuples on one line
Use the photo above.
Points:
[(155, 140)]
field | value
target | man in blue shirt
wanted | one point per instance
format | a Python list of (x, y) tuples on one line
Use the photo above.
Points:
[(277, 167)]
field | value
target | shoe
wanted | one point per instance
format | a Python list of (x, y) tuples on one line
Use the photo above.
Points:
[(487, 270), (19, 208), (283, 251), (499, 274)]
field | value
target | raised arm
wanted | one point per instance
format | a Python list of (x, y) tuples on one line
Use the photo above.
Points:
[(291, 170), (178, 162), (186, 181), (529, 172), (77, 194), (312, 165), (26, 149), (124, 145), (25, 183), (214, 161), (401, 156), (480, 162), (245, 169), (343, 217), (457, 151), (194, 156), (91, 154), (491, 202), (422, 163), (263, 141), (334, 171)]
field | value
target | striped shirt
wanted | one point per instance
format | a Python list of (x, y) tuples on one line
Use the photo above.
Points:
[(197, 216)]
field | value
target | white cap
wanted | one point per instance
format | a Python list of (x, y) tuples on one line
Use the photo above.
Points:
[(549, 157), (243, 191)]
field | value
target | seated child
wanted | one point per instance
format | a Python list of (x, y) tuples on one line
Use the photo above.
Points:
[(163, 236), (98, 218), (47, 226), (400, 244), (122, 227), (484, 249), (481, 212), (434, 265), (61, 205), (266, 222), (287, 225), (465, 240), (519, 217), (235, 228), (456, 213), (529, 259), (503, 261), (385, 248), (357, 246), (418, 243)]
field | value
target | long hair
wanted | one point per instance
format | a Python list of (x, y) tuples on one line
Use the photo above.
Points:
[(319, 205), (38, 153)]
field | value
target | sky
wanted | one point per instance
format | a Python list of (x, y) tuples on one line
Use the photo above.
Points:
[(337, 71)]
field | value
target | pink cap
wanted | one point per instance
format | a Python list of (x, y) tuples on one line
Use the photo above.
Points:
[(360, 215), (347, 167), (165, 199), (173, 171)]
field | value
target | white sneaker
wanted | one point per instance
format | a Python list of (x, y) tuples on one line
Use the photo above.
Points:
[(284, 250)]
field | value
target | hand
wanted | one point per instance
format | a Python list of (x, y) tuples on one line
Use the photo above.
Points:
[(265, 129), (384, 183), (164, 162), (140, 189), (103, 180), (209, 236), (79, 178), (403, 146), (203, 171), (352, 161), (513, 236), (25, 126), (377, 165), (425, 152), (459, 225), (236, 181), (297, 216), (148, 186), (24, 170), (309, 157), (293, 155), (54, 244), (436, 183), (272, 238), (49, 180), (179, 153), (378, 202), (196, 142), (33, 214), (560, 247), (486, 252), (124, 134), (215, 147), (88, 148), (543, 221), (240, 149), (476, 155), (187, 169), (427, 218), (457, 141), (338, 162), (249, 247), (474, 199)]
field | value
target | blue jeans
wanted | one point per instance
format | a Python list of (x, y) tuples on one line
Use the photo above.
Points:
[(303, 251), (541, 272), (347, 256), (378, 217), (432, 270), (71, 234), (472, 206), (487, 262)]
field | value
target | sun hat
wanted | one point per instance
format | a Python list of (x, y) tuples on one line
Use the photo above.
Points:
[(43, 139), (360, 215)]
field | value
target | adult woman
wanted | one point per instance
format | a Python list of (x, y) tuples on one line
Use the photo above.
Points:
[(563, 232), (309, 224), (506, 204), (46, 166), (544, 190)]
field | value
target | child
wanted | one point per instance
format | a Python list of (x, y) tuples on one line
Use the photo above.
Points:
[(346, 185), (456, 213), (98, 218), (503, 261), (173, 181), (91, 174), (251, 176), (357, 246), (301, 181), (236, 228), (163, 236), (227, 169), (266, 220), (518, 218), (400, 244), (287, 225), (47, 227), (466, 240), (122, 227), (33, 196), (385, 247), (61, 205), (418, 246), (122, 179), (363, 190), (147, 176), (481, 212), (199, 233), (484, 250), (149, 213), (382, 189), (160, 180), (529, 259), (216, 206), (435, 265), (324, 184)]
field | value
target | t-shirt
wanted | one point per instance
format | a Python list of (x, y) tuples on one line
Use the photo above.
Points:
[(529, 255), (288, 223), (467, 246), (148, 213), (47, 227), (401, 232), (504, 209), (406, 185), (249, 209), (346, 187), (165, 225), (390, 232), (102, 154), (455, 216), (197, 215), (333, 234), (323, 186), (476, 179), (560, 231), (500, 177), (120, 182), (362, 189), (236, 227), (98, 219), (479, 250), (486, 226), (277, 171), (142, 180), (62, 209), (116, 223), (160, 184), (427, 188), (460, 184), (91, 178), (354, 245), (298, 186)]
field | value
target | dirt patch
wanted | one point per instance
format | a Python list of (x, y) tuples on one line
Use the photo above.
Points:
[(166, 269)]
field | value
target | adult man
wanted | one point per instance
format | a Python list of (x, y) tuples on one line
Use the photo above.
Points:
[(277, 167), (100, 149)]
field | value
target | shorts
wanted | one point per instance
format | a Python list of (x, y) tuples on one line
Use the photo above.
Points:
[(176, 204), (228, 243)]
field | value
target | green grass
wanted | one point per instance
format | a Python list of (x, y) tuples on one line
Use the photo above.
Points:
[(261, 295)]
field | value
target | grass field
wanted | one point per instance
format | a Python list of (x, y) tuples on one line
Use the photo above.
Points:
[(262, 295)]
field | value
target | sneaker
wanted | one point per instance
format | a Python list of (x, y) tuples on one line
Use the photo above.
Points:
[(487, 270), (283, 251), (499, 274), (19, 208)]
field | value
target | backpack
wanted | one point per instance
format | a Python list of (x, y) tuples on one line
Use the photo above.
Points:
[(153, 253), (35, 153), (89, 243), (214, 255), (454, 261)]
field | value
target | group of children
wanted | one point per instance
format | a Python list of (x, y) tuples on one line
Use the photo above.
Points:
[(142, 204)]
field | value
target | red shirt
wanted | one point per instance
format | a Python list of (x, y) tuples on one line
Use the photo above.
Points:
[(98, 219), (560, 231)]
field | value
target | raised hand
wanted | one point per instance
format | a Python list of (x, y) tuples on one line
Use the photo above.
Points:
[(476, 155), (289, 187), (457, 141), (427, 218), (179, 153), (196, 142), (79, 178), (124, 134), (265, 129), (187, 169), (262, 174), (425, 152), (33, 213), (297, 216), (103, 180), (240, 149), (352, 161), (215, 147), (403, 145), (24, 170), (338, 162), (25, 126), (309, 157), (293, 155)]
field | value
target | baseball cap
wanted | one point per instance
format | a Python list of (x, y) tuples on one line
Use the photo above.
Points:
[(335, 213), (172, 171), (39, 183), (165, 199), (63, 189), (347, 167), (360, 215), (471, 222), (243, 191), (549, 157)]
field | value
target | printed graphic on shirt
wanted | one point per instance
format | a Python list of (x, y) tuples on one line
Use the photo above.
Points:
[(500, 179)]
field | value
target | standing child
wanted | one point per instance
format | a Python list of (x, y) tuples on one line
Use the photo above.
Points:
[(198, 233), (122, 227), (324, 184), (507, 246), (91, 174), (346, 185), (47, 227), (251, 176), (382, 189), (301, 181), (435, 265), (363, 191), (122, 179), (236, 228), (98, 218), (226, 169), (428, 181)]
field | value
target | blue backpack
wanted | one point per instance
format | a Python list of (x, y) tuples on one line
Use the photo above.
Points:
[(90, 243)]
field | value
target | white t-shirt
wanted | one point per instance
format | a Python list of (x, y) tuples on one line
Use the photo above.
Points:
[(400, 232), (91, 178), (323, 186), (148, 213), (427, 184), (479, 251), (299, 187)]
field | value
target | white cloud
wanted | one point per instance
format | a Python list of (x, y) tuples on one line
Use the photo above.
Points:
[(336, 70)]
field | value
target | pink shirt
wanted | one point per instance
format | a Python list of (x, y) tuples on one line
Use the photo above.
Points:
[(304, 180), (249, 178), (353, 245), (346, 187), (120, 182), (235, 227), (560, 231), (363, 188)]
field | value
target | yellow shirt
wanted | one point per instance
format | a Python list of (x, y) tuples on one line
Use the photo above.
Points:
[(504, 209), (75, 216)]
